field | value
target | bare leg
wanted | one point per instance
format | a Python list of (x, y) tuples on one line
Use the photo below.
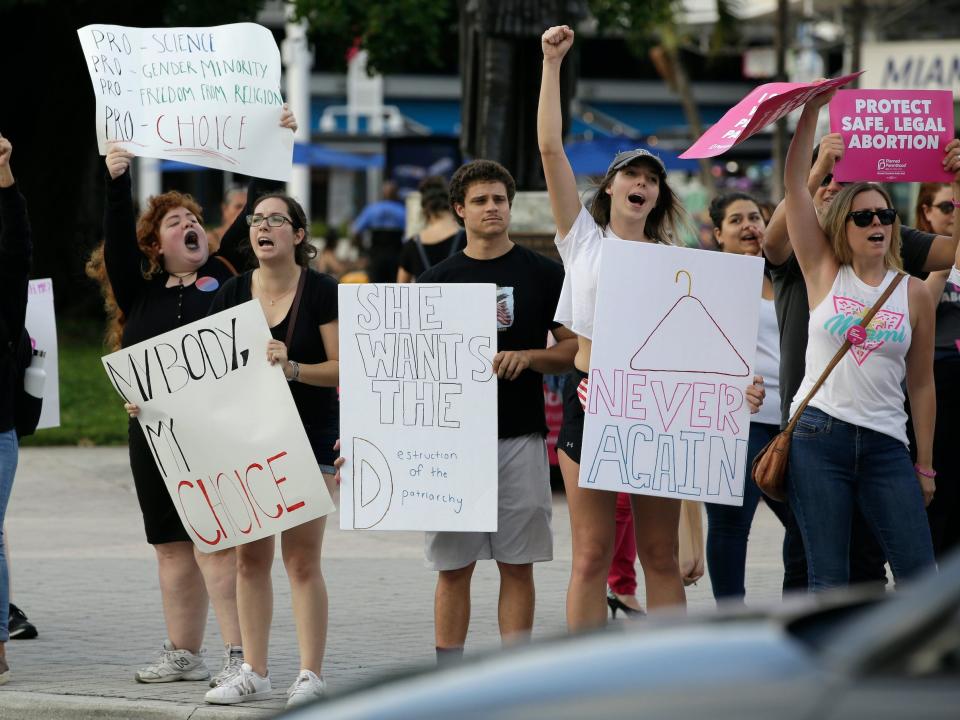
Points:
[(517, 598), (593, 531), (220, 576), (656, 522), (184, 595), (451, 610), (255, 600)]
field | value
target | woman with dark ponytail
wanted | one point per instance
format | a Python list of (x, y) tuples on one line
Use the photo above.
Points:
[(440, 238)]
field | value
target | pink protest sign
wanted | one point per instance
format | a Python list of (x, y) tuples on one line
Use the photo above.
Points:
[(765, 104), (892, 135)]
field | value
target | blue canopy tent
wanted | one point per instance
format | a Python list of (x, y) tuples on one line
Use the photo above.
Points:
[(303, 154), (594, 156)]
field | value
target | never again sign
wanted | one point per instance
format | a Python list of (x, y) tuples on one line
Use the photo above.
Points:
[(418, 407), (223, 429), (207, 96)]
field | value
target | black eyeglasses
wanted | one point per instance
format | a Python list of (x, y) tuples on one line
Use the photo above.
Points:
[(946, 207), (275, 220), (863, 218)]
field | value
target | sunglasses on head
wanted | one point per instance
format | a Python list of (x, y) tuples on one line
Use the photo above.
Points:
[(863, 218), (946, 207)]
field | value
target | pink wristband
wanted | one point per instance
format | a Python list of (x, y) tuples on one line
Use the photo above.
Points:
[(924, 472)]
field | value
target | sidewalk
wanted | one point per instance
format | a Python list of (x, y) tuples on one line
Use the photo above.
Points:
[(86, 577)]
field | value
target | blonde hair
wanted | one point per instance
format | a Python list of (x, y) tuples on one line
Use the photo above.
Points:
[(835, 225)]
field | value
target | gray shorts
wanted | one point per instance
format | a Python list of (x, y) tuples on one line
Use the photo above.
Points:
[(524, 508)]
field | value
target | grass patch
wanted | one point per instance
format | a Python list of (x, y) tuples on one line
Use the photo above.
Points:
[(91, 412)]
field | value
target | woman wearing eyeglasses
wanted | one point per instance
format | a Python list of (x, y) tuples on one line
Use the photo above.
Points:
[(936, 212), (849, 448), (278, 238), (157, 273)]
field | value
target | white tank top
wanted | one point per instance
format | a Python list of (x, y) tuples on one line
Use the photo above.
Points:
[(865, 387), (767, 364)]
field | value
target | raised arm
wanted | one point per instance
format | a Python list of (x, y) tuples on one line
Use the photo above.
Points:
[(920, 383), (15, 248), (776, 241), (121, 254), (816, 258), (561, 183), (945, 249)]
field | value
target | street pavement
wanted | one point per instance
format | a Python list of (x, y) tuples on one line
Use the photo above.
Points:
[(84, 574)]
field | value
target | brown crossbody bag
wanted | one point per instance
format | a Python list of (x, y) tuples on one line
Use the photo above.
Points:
[(770, 464)]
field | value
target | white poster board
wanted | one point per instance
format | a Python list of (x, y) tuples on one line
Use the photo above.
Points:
[(207, 96), (42, 326), (418, 411), (673, 354), (223, 428)]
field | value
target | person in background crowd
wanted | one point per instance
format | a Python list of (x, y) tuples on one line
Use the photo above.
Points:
[(622, 577), (738, 229), (379, 228), (16, 252), (326, 260), (279, 240), (633, 202), (159, 273), (234, 201), (440, 238), (849, 447), (528, 287), (936, 212)]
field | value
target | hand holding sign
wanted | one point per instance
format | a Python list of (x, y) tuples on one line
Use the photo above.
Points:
[(118, 160)]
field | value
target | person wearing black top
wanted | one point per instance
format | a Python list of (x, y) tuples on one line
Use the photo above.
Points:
[(278, 237), (528, 288), (921, 252), (162, 276), (15, 256), (441, 237)]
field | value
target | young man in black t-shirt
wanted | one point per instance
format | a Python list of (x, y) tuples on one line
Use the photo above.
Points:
[(921, 252), (528, 289)]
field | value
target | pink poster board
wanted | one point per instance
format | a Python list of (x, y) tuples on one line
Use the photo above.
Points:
[(892, 135), (765, 104)]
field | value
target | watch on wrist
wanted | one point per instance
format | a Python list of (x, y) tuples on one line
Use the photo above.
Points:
[(296, 371)]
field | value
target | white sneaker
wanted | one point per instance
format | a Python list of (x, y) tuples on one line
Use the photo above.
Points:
[(243, 686), (173, 665), (232, 660), (306, 688)]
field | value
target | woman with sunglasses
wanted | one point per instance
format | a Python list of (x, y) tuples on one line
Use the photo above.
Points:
[(158, 273), (937, 212), (849, 448), (278, 238)]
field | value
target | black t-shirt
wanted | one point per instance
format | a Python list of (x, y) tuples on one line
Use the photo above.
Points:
[(528, 290), (319, 407), (793, 311), (948, 318), (15, 255), (411, 258)]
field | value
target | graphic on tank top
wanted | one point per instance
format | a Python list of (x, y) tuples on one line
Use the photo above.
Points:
[(686, 334), (504, 307), (886, 326)]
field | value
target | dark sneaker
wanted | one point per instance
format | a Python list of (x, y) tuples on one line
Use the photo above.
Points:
[(20, 628)]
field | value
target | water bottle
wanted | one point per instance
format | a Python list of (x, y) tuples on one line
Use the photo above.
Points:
[(35, 377)]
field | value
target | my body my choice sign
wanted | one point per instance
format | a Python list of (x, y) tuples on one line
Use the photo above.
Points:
[(207, 96), (223, 428), (673, 353)]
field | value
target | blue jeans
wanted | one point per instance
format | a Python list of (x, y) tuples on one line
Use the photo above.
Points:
[(9, 449), (728, 528), (836, 466)]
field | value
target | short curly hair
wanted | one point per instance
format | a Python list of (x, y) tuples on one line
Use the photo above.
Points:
[(474, 172), (148, 225)]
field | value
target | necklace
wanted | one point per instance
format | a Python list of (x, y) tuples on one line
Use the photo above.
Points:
[(273, 301), (181, 276)]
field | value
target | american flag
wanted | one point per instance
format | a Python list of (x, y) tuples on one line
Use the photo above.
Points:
[(503, 313), (582, 391)]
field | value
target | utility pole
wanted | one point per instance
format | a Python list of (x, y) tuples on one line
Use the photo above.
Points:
[(298, 59), (780, 128)]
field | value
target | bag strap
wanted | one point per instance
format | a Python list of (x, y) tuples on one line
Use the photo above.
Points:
[(843, 351), (423, 253), (296, 306)]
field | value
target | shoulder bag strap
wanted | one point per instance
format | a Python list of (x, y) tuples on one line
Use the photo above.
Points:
[(296, 306), (842, 351)]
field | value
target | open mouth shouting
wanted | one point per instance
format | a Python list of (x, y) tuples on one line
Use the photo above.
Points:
[(638, 200), (876, 238), (265, 241), (191, 241)]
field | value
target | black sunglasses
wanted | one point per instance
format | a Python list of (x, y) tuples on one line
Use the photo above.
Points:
[(863, 218), (946, 207), (828, 178)]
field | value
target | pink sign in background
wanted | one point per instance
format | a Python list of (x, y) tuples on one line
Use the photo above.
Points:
[(765, 104), (892, 135)]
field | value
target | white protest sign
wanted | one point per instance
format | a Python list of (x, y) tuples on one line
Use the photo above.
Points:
[(207, 96), (673, 353), (418, 411), (42, 325), (223, 428)]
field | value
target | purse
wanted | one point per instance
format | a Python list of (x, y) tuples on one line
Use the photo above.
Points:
[(769, 469)]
